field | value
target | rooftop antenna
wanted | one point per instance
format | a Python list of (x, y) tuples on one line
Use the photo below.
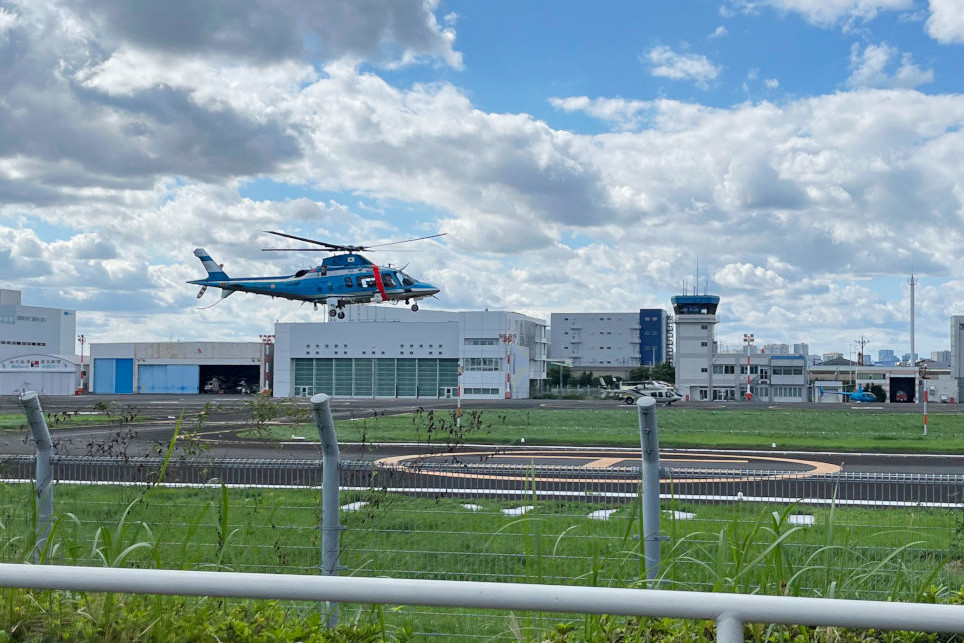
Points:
[(696, 286)]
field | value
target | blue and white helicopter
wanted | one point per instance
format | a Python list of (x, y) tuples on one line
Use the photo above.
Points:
[(340, 280), (860, 395)]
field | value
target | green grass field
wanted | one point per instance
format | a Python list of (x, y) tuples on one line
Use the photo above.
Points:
[(806, 429), (846, 552)]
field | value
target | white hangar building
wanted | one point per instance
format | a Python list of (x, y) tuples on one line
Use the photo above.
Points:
[(36, 348), (386, 352), (175, 367)]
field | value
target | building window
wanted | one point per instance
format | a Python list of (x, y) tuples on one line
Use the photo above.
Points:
[(482, 363)]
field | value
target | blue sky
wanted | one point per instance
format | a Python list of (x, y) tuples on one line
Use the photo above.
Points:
[(578, 156)]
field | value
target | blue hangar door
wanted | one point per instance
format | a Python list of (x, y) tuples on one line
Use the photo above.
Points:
[(168, 378), (113, 376)]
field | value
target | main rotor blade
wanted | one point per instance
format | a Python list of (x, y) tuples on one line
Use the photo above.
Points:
[(330, 246), (392, 243), (296, 249)]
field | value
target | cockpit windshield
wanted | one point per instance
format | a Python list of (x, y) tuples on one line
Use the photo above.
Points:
[(406, 280)]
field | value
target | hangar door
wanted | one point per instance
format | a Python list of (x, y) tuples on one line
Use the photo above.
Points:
[(168, 378), (902, 390), (113, 375)]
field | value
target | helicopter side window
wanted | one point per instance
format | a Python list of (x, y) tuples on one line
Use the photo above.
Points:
[(388, 281), (366, 281), (348, 282)]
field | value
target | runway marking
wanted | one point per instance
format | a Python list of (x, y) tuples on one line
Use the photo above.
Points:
[(599, 462), (602, 463)]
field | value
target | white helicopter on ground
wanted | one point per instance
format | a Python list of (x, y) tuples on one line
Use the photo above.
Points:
[(628, 393)]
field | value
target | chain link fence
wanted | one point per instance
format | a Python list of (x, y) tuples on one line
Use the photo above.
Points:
[(447, 519)]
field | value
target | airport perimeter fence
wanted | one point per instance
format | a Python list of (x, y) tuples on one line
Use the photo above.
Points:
[(848, 535)]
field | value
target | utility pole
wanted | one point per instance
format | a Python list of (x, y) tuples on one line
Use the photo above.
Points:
[(860, 358), (913, 355)]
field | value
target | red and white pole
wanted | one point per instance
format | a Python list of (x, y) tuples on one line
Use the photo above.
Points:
[(458, 401), (925, 411)]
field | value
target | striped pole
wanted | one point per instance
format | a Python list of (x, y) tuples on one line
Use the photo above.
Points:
[(925, 410)]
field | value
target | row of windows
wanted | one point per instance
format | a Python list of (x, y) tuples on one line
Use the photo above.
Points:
[(482, 363), (788, 391), (788, 370), (600, 319), (480, 341), (12, 343), (346, 346), (480, 391)]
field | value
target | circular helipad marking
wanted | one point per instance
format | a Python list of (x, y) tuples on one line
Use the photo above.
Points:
[(601, 460)]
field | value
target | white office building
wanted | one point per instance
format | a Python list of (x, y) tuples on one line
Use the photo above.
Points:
[(37, 348), (392, 353), (611, 343)]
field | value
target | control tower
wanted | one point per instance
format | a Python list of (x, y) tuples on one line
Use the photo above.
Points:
[(695, 319)]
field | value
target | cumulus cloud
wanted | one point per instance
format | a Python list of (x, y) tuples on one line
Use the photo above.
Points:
[(269, 31), (946, 22), (825, 13), (129, 153), (871, 67), (666, 63)]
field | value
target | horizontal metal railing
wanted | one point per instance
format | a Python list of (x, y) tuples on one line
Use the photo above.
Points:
[(729, 611)]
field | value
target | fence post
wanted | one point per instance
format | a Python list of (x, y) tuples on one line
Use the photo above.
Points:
[(649, 441), (43, 483), (729, 628), (329, 493)]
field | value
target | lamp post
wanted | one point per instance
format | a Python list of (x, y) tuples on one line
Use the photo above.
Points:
[(748, 340), (266, 342), (560, 365), (83, 373)]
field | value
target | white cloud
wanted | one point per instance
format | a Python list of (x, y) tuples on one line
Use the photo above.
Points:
[(869, 68), (719, 32), (827, 13), (946, 22), (8, 21), (119, 162), (666, 63)]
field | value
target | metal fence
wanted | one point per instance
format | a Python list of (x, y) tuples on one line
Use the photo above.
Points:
[(447, 519), (752, 531)]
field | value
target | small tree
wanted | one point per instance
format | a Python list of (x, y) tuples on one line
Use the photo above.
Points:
[(640, 373), (556, 374), (665, 372)]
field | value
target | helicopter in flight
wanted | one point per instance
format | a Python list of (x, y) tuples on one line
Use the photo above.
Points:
[(342, 279)]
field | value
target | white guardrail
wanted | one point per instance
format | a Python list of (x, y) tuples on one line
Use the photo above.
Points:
[(730, 611)]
